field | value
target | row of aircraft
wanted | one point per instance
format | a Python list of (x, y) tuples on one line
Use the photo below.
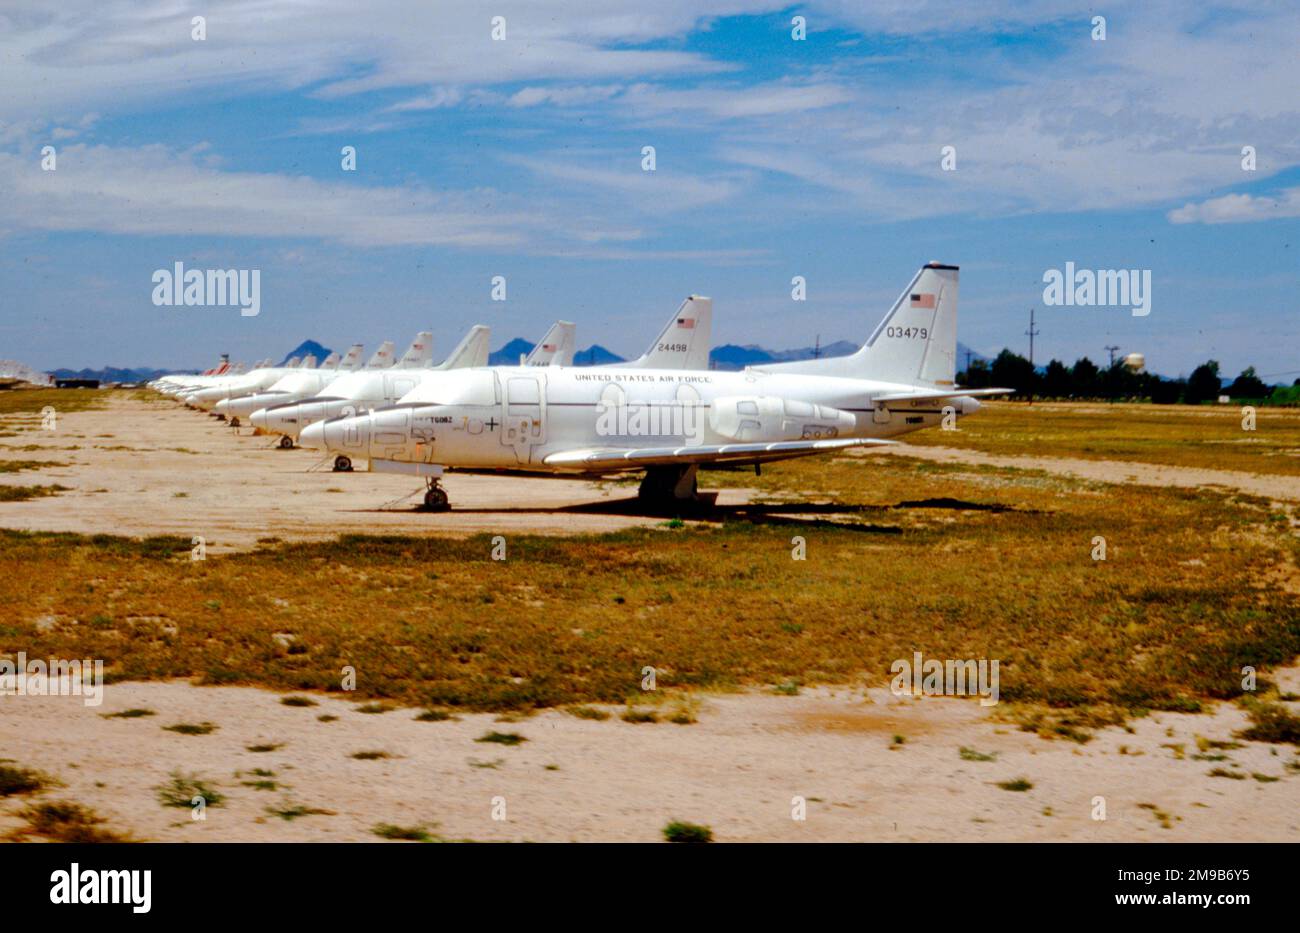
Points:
[(664, 414)]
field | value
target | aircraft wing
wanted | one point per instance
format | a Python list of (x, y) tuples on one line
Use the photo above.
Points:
[(938, 394), (621, 458)]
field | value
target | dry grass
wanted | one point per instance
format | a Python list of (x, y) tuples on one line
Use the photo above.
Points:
[(954, 562), (1207, 437)]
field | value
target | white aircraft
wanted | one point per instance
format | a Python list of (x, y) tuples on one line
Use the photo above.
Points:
[(356, 394), (669, 423), (299, 383), (366, 389), (555, 348), (259, 378)]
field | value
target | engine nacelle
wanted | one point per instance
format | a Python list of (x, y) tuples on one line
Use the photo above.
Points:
[(766, 418)]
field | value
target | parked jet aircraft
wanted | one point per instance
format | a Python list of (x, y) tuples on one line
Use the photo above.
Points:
[(260, 378), (303, 383), (693, 320), (669, 423), (365, 389)]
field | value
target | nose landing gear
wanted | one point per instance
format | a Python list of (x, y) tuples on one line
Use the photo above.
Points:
[(342, 464), (286, 442)]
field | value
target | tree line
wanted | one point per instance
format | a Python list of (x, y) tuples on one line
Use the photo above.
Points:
[(1086, 380)]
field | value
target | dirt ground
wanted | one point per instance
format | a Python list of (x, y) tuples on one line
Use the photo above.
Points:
[(736, 770), (1117, 471), (158, 468), (141, 469)]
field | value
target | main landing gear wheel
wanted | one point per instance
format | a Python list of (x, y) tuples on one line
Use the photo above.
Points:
[(668, 487), (234, 422), (342, 464), (286, 442), (435, 498)]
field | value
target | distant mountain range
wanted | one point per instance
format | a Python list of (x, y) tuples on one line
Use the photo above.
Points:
[(727, 357), (307, 346)]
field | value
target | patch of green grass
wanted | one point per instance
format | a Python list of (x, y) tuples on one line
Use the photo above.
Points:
[(17, 466), (1016, 784), (434, 715), (288, 811), (23, 493), (374, 708), (192, 728), (637, 716), (679, 831), (1225, 773), (135, 713), (790, 688), (64, 821), (502, 738), (1264, 778), (298, 701), (406, 833), (970, 754), (1271, 722), (180, 792), (1164, 626), (588, 712), (15, 780)]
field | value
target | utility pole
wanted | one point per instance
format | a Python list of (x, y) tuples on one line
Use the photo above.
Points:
[(1032, 332), (1111, 350)]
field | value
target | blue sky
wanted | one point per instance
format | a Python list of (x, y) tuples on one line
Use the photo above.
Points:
[(522, 158)]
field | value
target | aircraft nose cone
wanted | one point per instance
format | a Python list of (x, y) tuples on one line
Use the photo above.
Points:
[(222, 406), (259, 419), (313, 436)]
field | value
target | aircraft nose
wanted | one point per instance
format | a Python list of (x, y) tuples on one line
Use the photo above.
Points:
[(313, 436), (259, 419), (222, 406)]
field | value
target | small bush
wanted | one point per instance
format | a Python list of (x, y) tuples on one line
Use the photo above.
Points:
[(298, 701), (677, 831), (502, 738)]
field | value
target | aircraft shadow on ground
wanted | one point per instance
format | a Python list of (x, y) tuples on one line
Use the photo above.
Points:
[(797, 514)]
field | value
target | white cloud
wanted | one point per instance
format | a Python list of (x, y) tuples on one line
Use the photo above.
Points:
[(153, 191), (1239, 208)]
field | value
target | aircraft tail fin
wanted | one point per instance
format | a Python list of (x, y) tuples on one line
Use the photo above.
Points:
[(383, 357), (471, 351), (308, 362), (293, 362), (556, 348), (419, 353), (915, 344), (684, 342), (331, 361), (352, 359)]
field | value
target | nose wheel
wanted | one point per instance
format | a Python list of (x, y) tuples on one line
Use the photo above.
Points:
[(342, 464), (286, 442), (435, 498)]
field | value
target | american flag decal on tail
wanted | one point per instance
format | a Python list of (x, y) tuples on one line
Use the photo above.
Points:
[(922, 301), (686, 322)]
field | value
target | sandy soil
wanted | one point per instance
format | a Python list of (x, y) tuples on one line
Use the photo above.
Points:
[(158, 468), (1115, 471), (735, 770)]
